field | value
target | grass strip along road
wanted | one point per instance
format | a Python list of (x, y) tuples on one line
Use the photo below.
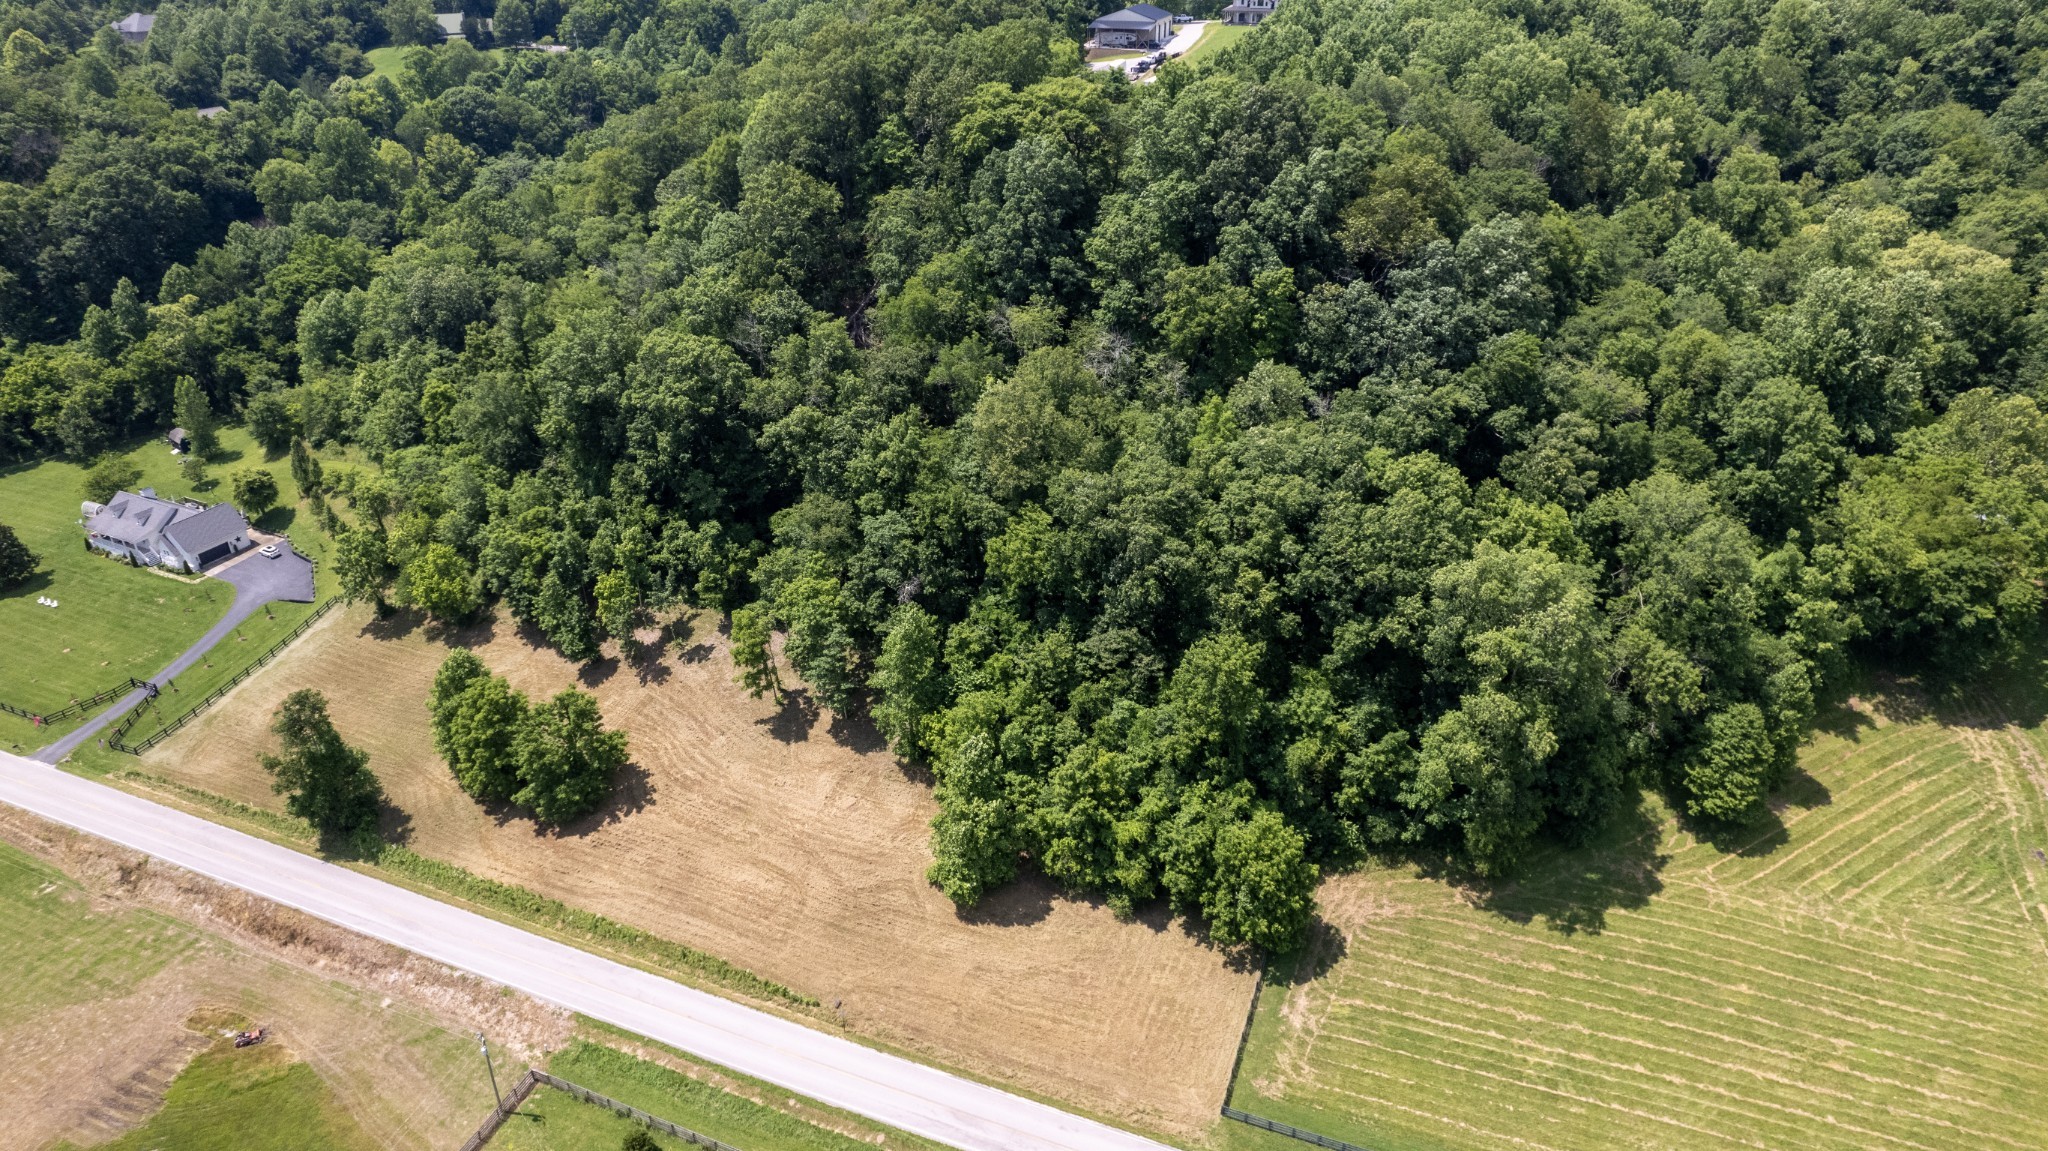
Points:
[(886, 1088)]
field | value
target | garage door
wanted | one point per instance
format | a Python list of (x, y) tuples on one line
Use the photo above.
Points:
[(213, 553)]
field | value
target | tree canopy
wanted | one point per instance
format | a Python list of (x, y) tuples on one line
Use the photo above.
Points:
[(1410, 430)]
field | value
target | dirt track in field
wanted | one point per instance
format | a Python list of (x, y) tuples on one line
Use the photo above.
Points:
[(786, 841)]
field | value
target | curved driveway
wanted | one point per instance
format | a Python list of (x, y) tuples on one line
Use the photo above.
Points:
[(886, 1088), (257, 580)]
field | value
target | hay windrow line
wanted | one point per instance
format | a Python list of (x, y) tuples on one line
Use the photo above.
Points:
[(1813, 1041), (1788, 1057), (1683, 1086), (1783, 977), (1942, 813)]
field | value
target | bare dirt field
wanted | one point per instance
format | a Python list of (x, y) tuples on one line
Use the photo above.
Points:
[(784, 840), (107, 976)]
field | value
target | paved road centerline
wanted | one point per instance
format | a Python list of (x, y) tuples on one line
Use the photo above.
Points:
[(886, 1088)]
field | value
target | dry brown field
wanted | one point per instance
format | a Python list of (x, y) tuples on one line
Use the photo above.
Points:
[(782, 839)]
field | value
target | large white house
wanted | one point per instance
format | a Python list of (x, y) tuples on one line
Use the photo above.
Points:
[(161, 533), (1249, 11)]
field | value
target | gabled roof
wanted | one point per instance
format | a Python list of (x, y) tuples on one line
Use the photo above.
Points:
[(133, 518), (135, 22), (1132, 18), (198, 531), (450, 22), (1150, 12)]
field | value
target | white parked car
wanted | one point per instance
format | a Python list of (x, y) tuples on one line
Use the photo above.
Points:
[(268, 550)]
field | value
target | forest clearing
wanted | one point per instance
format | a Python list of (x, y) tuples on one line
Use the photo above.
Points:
[(1870, 969), (781, 838)]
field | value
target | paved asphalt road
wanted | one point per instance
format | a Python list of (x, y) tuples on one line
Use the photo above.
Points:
[(885, 1088), (257, 580)]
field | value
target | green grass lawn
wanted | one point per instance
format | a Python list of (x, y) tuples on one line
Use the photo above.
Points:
[(255, 1099), (57, 951), (390, 59), (1215, 38), (1870, 969), (113, 621)]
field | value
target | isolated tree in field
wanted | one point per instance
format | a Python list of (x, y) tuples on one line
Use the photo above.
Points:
[(476, 718), (751, 629), (324, 781), (189, 406), (255, 491), (566, 757), (360, 563), (193, 467), (439, 582), (109, 474), (638, 1141), (17, 563)]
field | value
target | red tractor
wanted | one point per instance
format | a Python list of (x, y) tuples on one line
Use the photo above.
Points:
[(249, 1038)]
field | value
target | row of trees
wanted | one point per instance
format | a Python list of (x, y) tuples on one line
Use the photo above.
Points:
[(1413, 430), (554, 758)]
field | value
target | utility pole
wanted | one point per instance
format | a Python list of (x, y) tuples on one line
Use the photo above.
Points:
[(484, 1045)]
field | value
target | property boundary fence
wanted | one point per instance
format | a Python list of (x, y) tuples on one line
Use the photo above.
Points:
[(1265, 1124), (117, 740), (76, 706), (535, 1077)]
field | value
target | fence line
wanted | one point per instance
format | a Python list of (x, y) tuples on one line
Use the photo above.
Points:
[(76, 706), (502, 1111), (116, 740), (1265, 1124), (535, 1077)]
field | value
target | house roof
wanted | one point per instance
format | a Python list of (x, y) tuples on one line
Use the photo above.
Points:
[(133, 518), (450, 22), (135, 22), (198, 531), (1150, 12), (210, 111), (1131, 18)]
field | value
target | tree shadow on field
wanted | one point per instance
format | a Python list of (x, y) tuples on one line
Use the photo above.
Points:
[(1323, 946), (394, 823), (596, 671), (792, 722), (648, 667), (474, 634), (395, 623), (35, 583), (1021, 902), (1572, 888), (632, 792)]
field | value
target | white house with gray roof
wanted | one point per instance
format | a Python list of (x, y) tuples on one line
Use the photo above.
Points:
[(134, 27), (148, 529), (1139, 26)]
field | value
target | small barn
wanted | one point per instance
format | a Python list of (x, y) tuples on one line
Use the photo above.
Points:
[(179, 441)]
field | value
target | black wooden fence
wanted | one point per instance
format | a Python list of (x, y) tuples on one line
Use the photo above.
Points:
[(536, 1077), (1265, 1124), (117, 740), (76, 706)]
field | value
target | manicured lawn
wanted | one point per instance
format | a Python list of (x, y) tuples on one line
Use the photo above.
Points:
[(1868, 969), (1215, 38), (390, 59), (113, 621)]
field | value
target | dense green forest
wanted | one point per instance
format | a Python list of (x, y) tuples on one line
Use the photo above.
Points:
[(1409, 432)]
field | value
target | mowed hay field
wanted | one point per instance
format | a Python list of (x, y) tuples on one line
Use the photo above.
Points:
[(788, 842), (1870, 971)]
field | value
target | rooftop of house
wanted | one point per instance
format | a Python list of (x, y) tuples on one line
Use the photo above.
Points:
[(1136, 16), (197, 532), (135, 22), (450, 22), (135, 517)]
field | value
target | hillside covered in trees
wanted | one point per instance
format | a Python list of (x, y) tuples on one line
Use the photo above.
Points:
[(1409, 432)]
